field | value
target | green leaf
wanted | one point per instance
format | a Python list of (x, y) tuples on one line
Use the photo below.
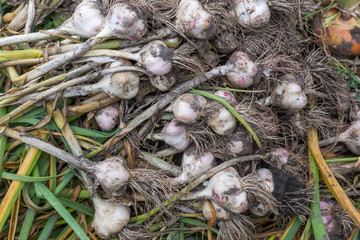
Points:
[(77, 206), (20, 178), (45, 233), (173, 236), (59, 18), (198, 224), (316, 220), (50, 197), (292, 229)]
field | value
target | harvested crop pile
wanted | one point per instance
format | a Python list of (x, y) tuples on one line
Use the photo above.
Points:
[(180, 119)]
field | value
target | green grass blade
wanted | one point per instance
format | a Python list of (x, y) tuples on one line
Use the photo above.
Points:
[(77, 206), (232, 110), (3, 140), (21, 178), (45, 233), (356, 235), (316, 220), (181, 232), (198, 224), (61, 210), (28, 222), (67, 178), (292, 229), (307, 231), (173, 235)]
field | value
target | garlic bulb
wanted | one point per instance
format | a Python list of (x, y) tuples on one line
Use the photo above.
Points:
[(110, 217), (245, 71), (194, 21), (252, 13)]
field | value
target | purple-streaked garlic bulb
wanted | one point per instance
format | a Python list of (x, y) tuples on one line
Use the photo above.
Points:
[(252, 13), (156, 57), (163, 83), (226, 190), (173, 134), (225, 42), (187, 107), (221, 121), (279, 157), (110, 217), (332, 226), (111, 174), (194, 21), (123, 22), (227, 96), (108, 117), (239, 142), (221, 213), (288, 94), (244, 71), (88, 19), (194, 164)]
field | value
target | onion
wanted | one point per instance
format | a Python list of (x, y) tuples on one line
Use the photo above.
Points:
[(221, 213), (225, 42), (110, 217), (337, 29), (194, 21), (252, 13), (124, 85), (174, 134), (107, 117), (194, 164), (227, 96), (221, 121), (187, 107), (244, 72)]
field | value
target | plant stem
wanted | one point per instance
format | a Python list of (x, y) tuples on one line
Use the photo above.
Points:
[(329, 178), (351, 159), (316, 220), (159, 163)]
